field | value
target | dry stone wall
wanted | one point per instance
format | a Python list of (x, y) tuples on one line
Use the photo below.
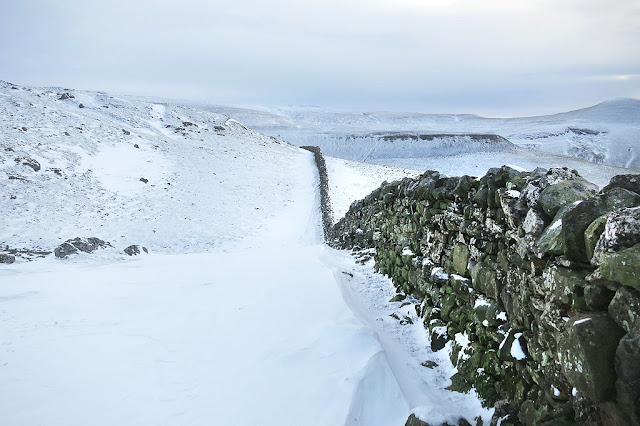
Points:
[(325, 202), (530, 279)]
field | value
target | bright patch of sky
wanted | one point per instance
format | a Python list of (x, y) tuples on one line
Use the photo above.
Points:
[(494, 57)]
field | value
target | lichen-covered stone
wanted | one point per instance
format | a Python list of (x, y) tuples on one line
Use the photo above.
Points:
[(622, 266), (552, 239), (628, 182), (564, 282), (621, 230), (534, 222), (577, 220), (625, 308), (460, 259), (565, 193), (484, 278), (586, 352), (487, 312), (593, 233)]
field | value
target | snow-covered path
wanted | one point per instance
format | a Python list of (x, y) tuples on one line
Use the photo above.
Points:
[(245, 338), (255, 336)]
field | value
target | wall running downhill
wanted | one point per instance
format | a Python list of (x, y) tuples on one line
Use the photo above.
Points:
[(533, 278)]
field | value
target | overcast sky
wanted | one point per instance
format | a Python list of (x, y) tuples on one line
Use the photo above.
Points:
[(491, 57)]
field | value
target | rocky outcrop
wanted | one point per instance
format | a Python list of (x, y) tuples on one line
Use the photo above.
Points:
[(134, 250), (85, 245), (532, 278), (7, 258)]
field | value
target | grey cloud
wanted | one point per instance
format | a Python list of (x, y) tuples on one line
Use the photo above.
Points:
[(500, 56)]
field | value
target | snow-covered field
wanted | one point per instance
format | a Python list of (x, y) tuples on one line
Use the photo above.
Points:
[(239, 315)]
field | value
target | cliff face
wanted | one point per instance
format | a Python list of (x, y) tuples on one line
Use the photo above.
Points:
[(530, 279)]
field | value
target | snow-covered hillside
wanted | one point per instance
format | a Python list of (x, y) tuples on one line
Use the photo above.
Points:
[(607, 133), (171, 178), (239, 314)]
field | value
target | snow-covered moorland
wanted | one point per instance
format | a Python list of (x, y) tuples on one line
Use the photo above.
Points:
[(606, 133), (239, 314)]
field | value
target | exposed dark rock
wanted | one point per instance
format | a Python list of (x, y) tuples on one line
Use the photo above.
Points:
[(134, 250), (81, 106), (29, 162), (7, 258), (64, 250), (415, 421), (126, 132), (86, 245)]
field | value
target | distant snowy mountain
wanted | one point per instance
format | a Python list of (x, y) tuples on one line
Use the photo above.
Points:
[(607, 133)]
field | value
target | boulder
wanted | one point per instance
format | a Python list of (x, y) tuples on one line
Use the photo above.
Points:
[(565, 193), (7, 258), (30, 162), (577, 219), (625, 308), (586, 352), (134, 250), (487, 312), (64, 250), (541, 179)]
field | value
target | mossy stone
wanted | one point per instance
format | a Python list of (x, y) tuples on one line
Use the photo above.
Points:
[(592, 234), (622, 266), (586, 351), (460, 259)]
